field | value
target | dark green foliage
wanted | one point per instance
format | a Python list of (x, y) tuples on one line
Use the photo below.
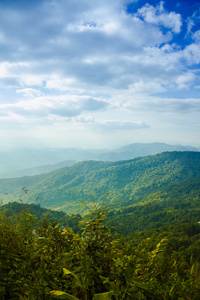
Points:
[(32, 256), (38, 260), (178, 204)]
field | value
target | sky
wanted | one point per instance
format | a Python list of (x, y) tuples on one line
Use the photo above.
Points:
[(98, 74)]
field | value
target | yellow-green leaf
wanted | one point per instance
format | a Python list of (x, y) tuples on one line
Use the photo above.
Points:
[(63, 295), (103, 296), (76, 280)]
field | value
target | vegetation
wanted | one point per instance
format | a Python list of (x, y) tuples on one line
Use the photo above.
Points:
[(178, 204), (40, 260), (145, 246), (16, 208), (134, 181), (175, 205)]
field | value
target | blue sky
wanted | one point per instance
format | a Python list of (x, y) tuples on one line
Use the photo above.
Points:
[(95, 74)]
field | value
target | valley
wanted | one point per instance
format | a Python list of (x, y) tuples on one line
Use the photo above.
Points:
[(103, 229), (129, 182), (32, 161)]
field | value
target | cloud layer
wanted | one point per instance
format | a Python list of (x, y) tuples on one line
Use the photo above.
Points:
[(67, 62)]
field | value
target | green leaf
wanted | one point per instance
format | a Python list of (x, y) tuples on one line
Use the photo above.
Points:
[(57, 293), (195, 270), (63, 295), (76, 280), (105, 279), (109, 284), (103, 296)]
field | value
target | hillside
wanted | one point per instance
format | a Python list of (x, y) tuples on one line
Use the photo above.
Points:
[(41, 214), (174, 204), (128, 182)]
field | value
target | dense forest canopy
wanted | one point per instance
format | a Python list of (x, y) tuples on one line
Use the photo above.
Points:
[(144, 245), (127, 182), (39, 259)]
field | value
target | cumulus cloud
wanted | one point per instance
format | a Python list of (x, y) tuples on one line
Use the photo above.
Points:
[(191, 54), (66, 106), (66, 46), (158, 16), (61, 60)]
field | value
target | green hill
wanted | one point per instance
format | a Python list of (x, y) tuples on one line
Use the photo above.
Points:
[(129, 182), (41, 213), (33, 161), (179, 203)]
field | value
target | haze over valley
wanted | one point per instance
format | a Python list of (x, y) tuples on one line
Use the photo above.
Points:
[(33, 161), (129, 182)]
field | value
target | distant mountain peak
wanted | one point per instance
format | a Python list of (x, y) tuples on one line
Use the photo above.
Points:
[(17, 162)]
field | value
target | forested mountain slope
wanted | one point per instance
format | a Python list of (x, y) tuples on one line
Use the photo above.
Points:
[(128, 182), (177, 203)]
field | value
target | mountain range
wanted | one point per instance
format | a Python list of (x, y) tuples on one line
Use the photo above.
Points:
[(128, 182), (29, 162)]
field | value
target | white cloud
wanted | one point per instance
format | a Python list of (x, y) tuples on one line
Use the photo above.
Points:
[(108, 49), (196, 36), (190, 25), (165, 106), (191, 54), (60, 83), (107, 125), (142, 87), (184, 81), (29, 92), (65, 106), (64, 60), (193, 20), (158, 16)]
